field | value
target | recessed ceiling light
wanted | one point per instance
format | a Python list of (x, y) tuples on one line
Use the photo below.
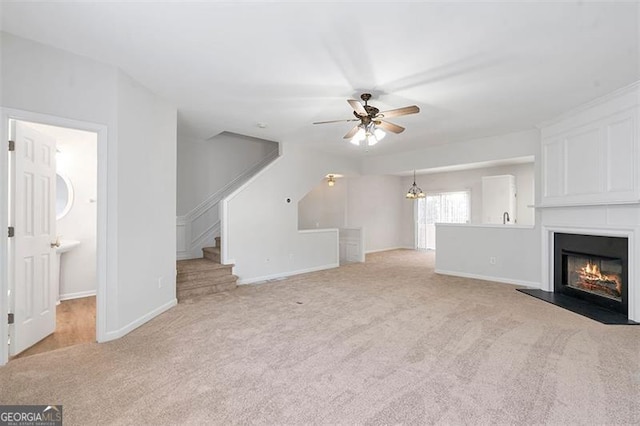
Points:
[(262, 125)]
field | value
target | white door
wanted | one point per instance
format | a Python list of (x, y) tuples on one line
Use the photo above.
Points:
[(442, 207), (32, 214), (425, 227)]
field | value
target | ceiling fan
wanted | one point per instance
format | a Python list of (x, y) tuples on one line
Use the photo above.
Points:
[(372, 121)]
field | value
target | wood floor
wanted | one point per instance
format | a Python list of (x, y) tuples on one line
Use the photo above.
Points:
[(75, 323)]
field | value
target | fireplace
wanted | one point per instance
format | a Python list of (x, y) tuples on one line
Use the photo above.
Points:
[(592, 268)]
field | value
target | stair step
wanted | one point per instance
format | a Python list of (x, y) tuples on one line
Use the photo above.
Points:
[(203, 291), (203, 275), (200, 277), (195, 265), (206, 281), (212, 253)]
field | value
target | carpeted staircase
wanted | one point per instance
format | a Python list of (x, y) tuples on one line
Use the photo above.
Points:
[(198, 277)]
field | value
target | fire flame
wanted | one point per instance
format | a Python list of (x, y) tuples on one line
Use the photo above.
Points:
[(591, 272), (593, 269)]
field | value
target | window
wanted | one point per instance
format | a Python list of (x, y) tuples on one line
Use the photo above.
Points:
[(442, 207)]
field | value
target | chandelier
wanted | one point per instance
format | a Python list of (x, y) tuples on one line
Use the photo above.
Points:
[(414, 191)]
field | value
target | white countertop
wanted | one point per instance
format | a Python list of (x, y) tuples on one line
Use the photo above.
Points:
[(486, 225)]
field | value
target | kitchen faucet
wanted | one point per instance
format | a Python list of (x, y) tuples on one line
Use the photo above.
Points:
[(505, 218)]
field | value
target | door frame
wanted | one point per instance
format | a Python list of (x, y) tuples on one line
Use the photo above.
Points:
[(7, 114)]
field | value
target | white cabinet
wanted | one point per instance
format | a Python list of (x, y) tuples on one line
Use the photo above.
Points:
[(499, 199), (351, 245)]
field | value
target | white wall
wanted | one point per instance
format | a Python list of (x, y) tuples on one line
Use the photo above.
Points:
[(259, 227), (472, 180), (378, 205), (77, 160), (502, 147), (467, 251), (146, 202), (140, 176), (324, 206), (206, 166)]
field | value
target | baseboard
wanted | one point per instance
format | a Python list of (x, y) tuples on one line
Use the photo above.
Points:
[(389, 249), (116, 334), (77, 295), (287, 274), (183, 255), (488, 278)]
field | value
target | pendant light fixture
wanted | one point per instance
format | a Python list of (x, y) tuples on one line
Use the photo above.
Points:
[(414, 191)]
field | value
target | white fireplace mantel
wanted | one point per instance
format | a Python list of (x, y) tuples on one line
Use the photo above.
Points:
[(590, 180), (630, 233)]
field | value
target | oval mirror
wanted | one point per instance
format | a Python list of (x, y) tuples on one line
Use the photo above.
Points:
[(64, 196)]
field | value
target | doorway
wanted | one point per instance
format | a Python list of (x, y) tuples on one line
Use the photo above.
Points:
[(74, 279), (80, 153), (439, 207)]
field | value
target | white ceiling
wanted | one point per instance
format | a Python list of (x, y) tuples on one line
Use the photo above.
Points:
[(475, 69)]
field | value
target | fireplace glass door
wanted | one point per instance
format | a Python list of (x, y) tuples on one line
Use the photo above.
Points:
[(593, 268), (595, 275)]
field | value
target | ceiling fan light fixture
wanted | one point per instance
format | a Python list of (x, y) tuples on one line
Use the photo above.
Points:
[(367, 133), (360, 135)]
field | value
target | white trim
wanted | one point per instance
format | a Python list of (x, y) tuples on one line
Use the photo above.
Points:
[(628, 232), (484, 225), (205, 239), (287, 274), (104, 240), (249, 181), (586, 204), (113, 335), (591, 104), (4, 223), (389, 248), (318, 230), (488, 278), (362, 243), (78, 295)]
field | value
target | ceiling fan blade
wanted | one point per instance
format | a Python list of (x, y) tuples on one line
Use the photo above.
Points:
[(413, 109), (357, 107), (351, 132), (335, 121), (394, 128)]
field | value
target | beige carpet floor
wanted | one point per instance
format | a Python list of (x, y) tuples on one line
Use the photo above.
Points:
[(384, 342)]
